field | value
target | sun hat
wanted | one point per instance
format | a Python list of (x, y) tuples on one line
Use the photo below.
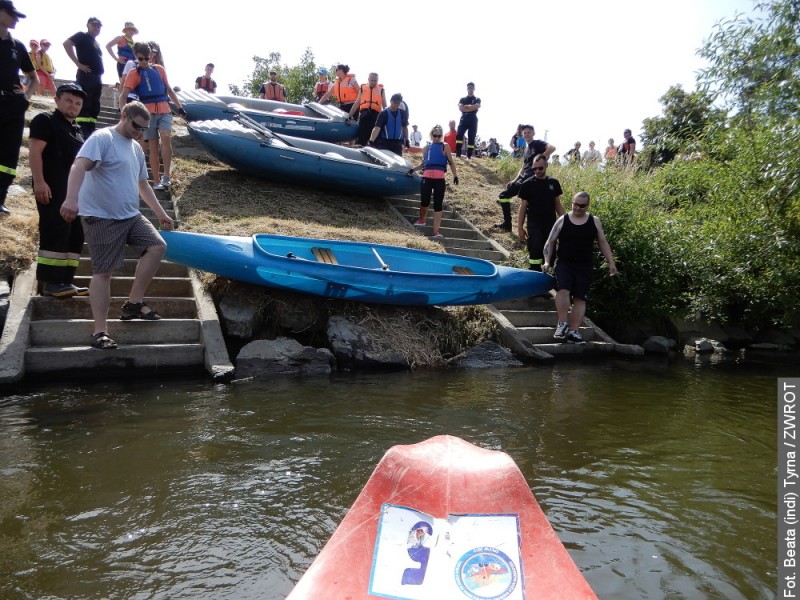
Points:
[(129, 25)]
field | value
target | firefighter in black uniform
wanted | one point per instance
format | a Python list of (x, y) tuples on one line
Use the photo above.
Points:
[(13, 98)]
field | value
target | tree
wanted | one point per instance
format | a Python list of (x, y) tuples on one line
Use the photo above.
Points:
[(685, 118), (299, 79)]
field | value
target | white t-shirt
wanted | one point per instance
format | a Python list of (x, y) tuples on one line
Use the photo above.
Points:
[(416, 137), (110, 189), (129, 66)]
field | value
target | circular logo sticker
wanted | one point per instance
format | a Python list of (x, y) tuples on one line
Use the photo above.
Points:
[(486, 573)]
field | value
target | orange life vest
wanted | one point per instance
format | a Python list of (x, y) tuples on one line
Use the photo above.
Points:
[(371, 98), (345, 94)]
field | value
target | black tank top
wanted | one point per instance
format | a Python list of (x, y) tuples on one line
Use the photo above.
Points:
[(576, 242)]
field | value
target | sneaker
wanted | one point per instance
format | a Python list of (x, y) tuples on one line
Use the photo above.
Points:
[(437, 236), (58, 290), (419, 223), (4, 210), (503, 226), (561, 332), (80, 291), (163, 184), (574, 337)]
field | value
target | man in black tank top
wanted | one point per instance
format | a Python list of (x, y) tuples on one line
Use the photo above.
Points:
[(575, 234)]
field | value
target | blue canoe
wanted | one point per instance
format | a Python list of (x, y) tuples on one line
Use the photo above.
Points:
[(311, 121), (253, 149), (354, 270)]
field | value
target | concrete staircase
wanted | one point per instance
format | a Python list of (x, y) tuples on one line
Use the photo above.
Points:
[(527, 325), (50, 335)]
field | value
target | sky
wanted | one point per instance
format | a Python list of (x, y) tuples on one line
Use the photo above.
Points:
[(578, 71)]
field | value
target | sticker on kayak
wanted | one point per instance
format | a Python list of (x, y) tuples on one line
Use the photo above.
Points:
[(417, 556)]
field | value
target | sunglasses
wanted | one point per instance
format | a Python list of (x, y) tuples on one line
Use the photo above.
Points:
[(539, 168), (436, 135), (576, 205), (138, 127), (143, 57)]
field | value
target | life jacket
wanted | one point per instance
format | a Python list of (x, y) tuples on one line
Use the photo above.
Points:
[(371, 98), (151, 88), (345, 94), (393, 130), (207, 84), (125, 47), (274, 91), (321, 88), (435, 158)]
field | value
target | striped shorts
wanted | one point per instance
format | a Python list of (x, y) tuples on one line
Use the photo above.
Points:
[(107, 239)]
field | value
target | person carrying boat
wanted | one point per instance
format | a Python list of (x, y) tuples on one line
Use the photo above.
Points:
[(469, 106), (391, 127), (533, 148), (371, 100), (204, 82), (540, 203), (55, 138), (150, 84), (272, 90), (105, 183), (575, 233), (344, 89), (436, 157), (124, 44), (14, 99)]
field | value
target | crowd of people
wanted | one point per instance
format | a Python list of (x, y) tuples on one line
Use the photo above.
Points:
[(100, 175)]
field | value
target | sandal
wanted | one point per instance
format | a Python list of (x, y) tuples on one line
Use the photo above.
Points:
[(133, 310), (103, 342)]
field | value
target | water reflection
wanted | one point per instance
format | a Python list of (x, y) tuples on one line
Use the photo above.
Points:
[(659, 478)]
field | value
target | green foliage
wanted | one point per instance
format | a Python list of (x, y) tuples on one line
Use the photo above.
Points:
[(298, 79)]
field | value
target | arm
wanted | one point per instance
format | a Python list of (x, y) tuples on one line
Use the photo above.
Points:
[(149, 197), (197, 83), (123, 97), (523, 212), (383, 98), (69, 46), (33, 84), (356, 104), (559, 206), (605, 247), (549, 150), (376, 131), (77, 173), (110, 45), (41, 189), (452, 162), (550, 244)]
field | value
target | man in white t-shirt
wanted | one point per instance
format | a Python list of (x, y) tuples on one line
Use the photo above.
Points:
[(105, 182), (415, 136)]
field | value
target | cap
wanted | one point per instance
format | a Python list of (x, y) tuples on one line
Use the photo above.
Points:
[(94, 20), (129, 25), (71, 88), (271, 71), (8, 6), (323, 71)]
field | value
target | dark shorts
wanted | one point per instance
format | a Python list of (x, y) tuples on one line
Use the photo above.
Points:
[(575, 278), (107, 239)]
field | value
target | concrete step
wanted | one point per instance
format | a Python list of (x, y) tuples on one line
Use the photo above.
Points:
[(77, 332), (412, 213), (490, 255), (78, 308), (531, 318), (532, 303), (544, 335), (75, 359), (166, 269), (160, 286), (478, 244), (589, 348), (452, 223)]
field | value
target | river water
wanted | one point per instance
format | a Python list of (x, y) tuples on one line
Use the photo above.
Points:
[(660, 478)]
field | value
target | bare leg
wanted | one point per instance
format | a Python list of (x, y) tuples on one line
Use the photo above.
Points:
[(145, 271), (437, 221), (100, 300), (562, 305), (166, 150), (152, 146), (423, 212), (577, 314)]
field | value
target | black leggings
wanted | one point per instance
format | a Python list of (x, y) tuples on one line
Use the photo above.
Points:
[(433, 187)]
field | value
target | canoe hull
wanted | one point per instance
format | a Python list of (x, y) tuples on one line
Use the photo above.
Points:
[(306, 162), (326, 123), (442, 476), (414, 277)]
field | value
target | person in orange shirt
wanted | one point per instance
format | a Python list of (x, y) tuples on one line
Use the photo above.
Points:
[(150, 84), (450, 136)]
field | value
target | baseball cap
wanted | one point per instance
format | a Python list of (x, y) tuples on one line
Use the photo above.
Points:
[(94, 20), (71, 88), (323, 71), (8, 6)]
